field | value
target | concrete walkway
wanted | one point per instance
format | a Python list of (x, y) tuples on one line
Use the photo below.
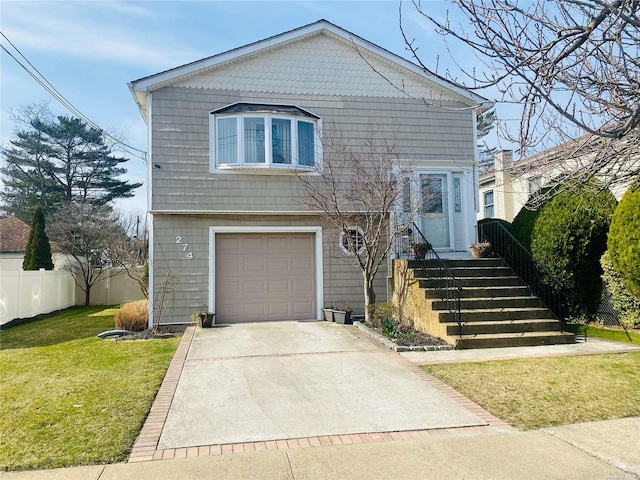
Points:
[(593, 346)]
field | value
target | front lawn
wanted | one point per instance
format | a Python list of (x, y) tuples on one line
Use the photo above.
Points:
[(69, 398), (615, 334), (539, 392)]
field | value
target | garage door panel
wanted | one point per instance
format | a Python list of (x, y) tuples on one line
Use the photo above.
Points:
[(253, 243), (278, 265), (279, 286), (265, 277), (254, 287), (302, 286), (252, 265), (304, 308), (279, 309), (301, 264), (277, 243)]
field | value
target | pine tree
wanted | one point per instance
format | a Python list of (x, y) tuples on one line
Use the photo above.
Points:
[(51, 161), (38, 251)]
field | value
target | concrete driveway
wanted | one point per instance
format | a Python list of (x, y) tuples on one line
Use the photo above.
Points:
[(283, 380)]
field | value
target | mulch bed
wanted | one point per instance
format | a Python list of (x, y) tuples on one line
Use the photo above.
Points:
[(408, 337)]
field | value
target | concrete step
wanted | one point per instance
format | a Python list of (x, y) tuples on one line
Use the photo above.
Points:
[(492, 303), (473, 262), (462, 272), (496, 314), (505, 281), (526, 339), (505, 326), (486, 292)]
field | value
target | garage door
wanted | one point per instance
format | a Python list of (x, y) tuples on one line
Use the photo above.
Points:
[(265, 277)]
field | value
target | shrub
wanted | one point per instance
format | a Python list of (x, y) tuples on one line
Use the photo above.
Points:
[(37, 253), (627, 305), (522, 226), (569, 236), (624, 239), (133, 316)]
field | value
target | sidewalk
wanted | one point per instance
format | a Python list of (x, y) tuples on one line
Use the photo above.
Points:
[(569, 452)]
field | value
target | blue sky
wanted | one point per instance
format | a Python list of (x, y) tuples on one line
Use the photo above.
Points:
[(89, 50)]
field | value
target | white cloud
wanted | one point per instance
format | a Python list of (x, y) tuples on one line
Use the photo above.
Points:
[(108, 31)]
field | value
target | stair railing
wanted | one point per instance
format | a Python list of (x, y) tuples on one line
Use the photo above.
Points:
[(539, 279), (448, 287)]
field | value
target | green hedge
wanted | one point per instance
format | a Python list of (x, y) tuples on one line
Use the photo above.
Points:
[(627, 305), (569, 236), (624, 239)]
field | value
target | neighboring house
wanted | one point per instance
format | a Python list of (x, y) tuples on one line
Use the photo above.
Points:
[(507, 188), (14, 234), (229, 231)]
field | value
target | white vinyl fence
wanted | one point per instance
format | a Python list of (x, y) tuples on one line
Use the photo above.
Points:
[(25, 294)]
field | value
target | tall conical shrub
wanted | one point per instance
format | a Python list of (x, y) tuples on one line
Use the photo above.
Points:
[(37, 254)]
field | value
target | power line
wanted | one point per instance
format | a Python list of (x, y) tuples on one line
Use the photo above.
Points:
[(48, 86)]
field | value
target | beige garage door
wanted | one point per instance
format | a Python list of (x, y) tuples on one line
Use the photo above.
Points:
[(265, 277)]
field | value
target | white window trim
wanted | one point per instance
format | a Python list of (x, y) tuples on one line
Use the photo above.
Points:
[(268, 167), (485, 204), (261, 229), (341, 241)]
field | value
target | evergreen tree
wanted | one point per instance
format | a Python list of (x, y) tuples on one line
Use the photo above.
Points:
[(38, 251), (51, 161)]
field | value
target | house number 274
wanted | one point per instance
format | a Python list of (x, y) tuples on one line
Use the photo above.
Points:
[(184, 246)]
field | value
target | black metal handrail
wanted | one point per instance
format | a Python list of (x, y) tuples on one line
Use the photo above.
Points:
[(539, 279), (448, 287)]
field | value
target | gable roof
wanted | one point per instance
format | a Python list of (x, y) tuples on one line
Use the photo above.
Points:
[(139, 88), (14, 234)]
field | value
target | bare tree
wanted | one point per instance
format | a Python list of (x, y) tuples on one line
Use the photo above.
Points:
[(356, 191), (132, 254), (87, 234), (573, 66)]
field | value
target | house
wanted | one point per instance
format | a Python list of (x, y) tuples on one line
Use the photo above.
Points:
[(228, 231), (507, 188), (14, 234)]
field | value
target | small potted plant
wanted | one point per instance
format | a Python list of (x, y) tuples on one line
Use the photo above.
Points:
[(480, 250), (203, 318), (342, 315), (420, 250)]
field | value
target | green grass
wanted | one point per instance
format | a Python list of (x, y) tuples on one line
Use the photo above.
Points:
[(617, 335), (539, 392), (69, 398)]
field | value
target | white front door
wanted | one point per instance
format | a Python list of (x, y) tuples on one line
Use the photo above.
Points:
[(435, 210)]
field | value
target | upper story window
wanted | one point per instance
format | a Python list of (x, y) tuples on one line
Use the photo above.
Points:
[(535, 184), (255, 136), (488, 204)]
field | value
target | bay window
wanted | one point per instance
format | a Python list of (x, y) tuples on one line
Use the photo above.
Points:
[(264, 136)]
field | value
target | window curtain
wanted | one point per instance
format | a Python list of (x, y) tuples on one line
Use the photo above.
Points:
[(281, 140), (227, 141), (305, 144), (253, 140)]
